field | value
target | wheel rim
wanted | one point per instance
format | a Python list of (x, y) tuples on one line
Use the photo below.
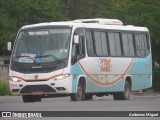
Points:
[(127, 90), (79, 93)]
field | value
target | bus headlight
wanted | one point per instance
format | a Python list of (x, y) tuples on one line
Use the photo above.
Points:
[(15, 79), (64, 76)]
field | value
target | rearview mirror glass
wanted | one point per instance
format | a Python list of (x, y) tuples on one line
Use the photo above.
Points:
[(76, 39), (9, 46)]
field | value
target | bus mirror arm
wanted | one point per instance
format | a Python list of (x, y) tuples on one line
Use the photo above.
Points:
[(80, 56), (74, 54)]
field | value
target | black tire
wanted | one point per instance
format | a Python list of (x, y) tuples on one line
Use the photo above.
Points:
[(28, 98), (116, 96), (125, 95), (37, 98), (79, 95), (88, 97)]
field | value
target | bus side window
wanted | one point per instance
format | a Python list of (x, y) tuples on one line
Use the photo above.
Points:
[(89, 41), (142, 47), (127, 43), (81, 47), (114, 44), (100, 43)]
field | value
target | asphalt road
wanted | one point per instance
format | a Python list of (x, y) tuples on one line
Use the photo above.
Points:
[(144, 102)]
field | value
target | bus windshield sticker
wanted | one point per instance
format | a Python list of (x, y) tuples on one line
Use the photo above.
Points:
[(63, 50), (38, 60), (29, 54), (38, 33), (26, 60)]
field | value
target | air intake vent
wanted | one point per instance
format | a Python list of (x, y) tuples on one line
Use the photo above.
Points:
[(100, 21)]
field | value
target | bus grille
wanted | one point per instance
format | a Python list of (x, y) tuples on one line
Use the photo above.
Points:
[(33, 88)]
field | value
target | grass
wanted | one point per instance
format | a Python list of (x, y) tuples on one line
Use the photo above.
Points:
[(4, 88)]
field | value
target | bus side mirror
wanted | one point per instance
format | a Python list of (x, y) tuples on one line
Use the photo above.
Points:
[(76, 39), (9, 46)]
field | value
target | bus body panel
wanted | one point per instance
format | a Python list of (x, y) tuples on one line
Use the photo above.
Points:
[(141, 73), (112, 81), (105, 72)]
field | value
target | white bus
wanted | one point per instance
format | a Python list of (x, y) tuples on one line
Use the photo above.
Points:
[(80, 58)]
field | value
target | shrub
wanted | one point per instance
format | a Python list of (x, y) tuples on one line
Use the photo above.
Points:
[(156, 80), (4, 88)]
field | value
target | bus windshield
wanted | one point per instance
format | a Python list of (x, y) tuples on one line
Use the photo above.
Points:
[(42, 45)]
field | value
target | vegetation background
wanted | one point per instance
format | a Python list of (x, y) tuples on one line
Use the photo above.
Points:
[(16, 13)]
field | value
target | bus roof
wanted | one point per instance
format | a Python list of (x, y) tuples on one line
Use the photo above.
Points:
[(91, 23)]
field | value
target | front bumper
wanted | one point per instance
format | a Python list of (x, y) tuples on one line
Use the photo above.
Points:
[(41, 87)]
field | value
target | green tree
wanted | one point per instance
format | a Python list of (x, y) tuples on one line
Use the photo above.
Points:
[(16, 13), (139, 13)]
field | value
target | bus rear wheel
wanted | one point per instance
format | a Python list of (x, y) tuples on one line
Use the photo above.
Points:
[(125, 95), (80, 94)]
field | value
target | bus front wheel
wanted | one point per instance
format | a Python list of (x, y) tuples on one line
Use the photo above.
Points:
[(79, 95), (31, 98), (125, 95), (28, 98)]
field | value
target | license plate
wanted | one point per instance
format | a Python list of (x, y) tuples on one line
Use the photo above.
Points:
[(37, 93)]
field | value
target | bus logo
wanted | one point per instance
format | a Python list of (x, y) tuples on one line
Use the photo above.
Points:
[(36, 76), (105, 65)]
